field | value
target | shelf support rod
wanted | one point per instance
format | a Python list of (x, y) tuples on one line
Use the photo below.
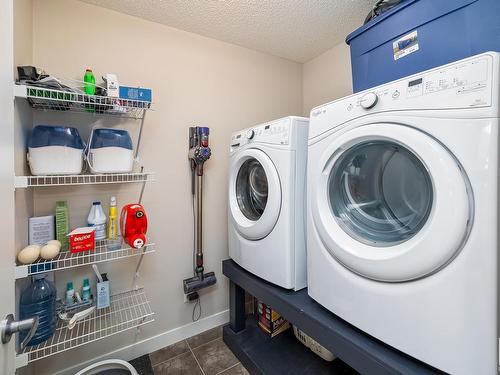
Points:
[(139, 262), (139, 137)]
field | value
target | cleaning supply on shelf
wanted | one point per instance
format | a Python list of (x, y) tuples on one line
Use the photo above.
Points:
[(113, 242), (70, 293), (134, 225), (62, 224), (55, 150), (136, 93), (89, 88), (97, 220), (112, 86), (110, 151), (103, 299), (82, 239), (86, 290), (89, 80), (39, 299), (41, 229), (112, 219)]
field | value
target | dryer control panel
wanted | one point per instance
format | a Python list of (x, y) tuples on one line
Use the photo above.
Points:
[(471, 83), (274, 133)]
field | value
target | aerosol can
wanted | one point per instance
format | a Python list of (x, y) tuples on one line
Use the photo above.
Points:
[(199, 153)]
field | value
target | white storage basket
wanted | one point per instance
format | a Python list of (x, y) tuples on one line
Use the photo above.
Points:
[(312, 344), (110, 151)]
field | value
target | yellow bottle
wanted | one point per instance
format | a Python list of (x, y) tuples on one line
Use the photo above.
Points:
[(112, 219)]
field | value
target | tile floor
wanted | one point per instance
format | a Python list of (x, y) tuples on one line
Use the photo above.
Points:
[(203, 354)]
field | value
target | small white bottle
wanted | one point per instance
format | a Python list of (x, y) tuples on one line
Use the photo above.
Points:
[(97, 219)]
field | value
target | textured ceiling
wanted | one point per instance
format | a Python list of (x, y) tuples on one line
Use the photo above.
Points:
[(298, 30)]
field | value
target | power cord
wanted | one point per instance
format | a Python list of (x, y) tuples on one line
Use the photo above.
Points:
[(197, 304)]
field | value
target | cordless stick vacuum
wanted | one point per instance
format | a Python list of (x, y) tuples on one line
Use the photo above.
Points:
[(199, 153)]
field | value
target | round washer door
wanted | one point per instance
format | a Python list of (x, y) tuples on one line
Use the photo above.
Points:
[(254, 194), (390, 202)]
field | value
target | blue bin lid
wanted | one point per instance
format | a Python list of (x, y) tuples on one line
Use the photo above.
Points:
[(111, 138), (377, 19), (427, 11), (45, 135)]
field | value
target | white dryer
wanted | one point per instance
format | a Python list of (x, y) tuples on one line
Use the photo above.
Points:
[(267, 181), (402, 213)]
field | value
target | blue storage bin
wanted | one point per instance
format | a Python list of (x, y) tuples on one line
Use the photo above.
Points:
[(55, 150), (418, 35)]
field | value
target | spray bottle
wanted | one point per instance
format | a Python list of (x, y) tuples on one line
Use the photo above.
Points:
[(112, 219), (113, 242)]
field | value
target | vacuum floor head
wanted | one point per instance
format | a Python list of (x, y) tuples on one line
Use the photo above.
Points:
[(196, 283)]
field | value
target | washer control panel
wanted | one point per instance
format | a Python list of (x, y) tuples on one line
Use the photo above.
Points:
[(277, 133)]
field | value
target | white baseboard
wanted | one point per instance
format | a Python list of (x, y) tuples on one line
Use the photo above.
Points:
[(156, 342)]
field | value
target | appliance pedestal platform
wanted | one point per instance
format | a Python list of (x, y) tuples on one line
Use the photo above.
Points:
[(281, 355)]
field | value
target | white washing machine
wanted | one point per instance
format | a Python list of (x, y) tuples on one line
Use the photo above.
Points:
[(402, 213), (267, 181)]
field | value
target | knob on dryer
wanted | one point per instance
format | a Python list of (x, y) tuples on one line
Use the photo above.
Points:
[(368, 100), (250, 134)]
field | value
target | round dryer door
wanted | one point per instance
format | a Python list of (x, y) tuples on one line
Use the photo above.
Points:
[(254, 194), (390, 202)]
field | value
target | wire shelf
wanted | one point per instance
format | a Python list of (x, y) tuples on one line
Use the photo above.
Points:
[(58, 100), (67, 259), (82, 179), (127, 310)]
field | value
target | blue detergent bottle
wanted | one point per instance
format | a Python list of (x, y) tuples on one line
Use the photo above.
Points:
[(39, 299)]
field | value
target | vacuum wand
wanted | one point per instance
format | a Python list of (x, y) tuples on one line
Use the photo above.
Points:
[(199, 226), (199, 153)]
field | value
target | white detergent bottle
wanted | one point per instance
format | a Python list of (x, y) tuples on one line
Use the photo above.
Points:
[(97, 219)]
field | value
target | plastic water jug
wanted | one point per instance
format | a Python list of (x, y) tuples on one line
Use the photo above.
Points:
[(39, 299), (97, 219)]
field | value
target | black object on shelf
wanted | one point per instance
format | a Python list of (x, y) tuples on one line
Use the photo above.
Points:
[(354, 347)]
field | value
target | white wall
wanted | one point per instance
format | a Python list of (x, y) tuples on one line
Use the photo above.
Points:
[(327, 77), (6, 177), (23, 122), (195, 81)]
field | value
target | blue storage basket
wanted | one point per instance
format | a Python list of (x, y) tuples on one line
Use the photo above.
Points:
[(446, 31)]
